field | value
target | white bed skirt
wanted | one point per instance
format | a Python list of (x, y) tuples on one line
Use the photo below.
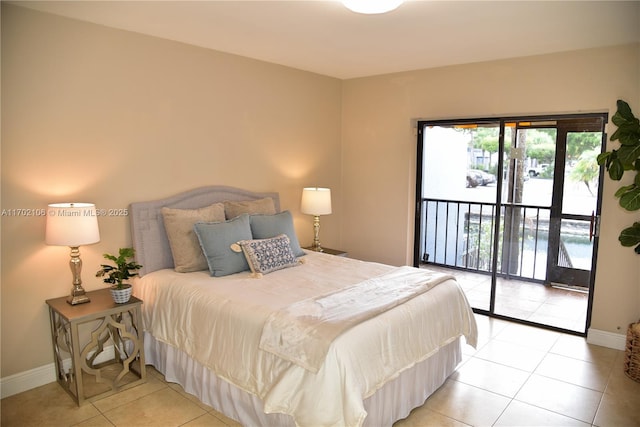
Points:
[(392, 402)]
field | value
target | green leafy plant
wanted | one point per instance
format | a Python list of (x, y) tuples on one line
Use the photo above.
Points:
[(125, 267), (626, 158)]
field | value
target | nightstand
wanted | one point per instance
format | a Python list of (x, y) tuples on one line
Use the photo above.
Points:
[(336, 252), (97, 346)]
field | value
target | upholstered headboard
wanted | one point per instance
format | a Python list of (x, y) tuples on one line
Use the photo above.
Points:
[(147, 226)]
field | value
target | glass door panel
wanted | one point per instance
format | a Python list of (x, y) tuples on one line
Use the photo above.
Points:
[(571, 262), (458, 203), (580, 195), (576, 250), (527, 197), (514, 211)]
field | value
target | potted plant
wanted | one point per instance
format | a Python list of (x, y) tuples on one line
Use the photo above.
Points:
[(125, 268), (617, 162), (626, 158)]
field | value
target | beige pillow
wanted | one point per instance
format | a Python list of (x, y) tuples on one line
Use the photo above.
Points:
[(185, 247), (261, 206)]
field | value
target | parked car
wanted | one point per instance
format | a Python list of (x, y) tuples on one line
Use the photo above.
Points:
[(537, 170), (484, 177), (474, 178)]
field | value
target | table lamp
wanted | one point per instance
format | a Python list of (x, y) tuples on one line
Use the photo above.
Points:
[(73, 225), (316, 201)]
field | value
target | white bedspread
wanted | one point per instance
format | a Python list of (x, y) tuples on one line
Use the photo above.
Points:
[(303, 332), (219, 322)]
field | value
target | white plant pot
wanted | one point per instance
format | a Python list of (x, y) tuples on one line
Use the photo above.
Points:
[(121, 296)]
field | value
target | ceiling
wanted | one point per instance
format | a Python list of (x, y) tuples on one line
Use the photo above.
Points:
[(326, 38)]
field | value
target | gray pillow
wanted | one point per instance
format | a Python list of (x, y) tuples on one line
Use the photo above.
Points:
[(216, 239), (267, 226), (261, 206), (185, 248)]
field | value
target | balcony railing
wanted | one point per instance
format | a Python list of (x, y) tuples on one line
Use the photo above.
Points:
[(462, 234)]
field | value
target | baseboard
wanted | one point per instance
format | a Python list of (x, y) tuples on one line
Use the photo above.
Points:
[(37, 377), (27, 380), (606, 339)]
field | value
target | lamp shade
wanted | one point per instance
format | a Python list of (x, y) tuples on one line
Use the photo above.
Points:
[(316, 201), (72, 224)]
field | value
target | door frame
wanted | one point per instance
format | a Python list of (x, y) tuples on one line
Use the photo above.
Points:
[(555, 272), (501, 121)]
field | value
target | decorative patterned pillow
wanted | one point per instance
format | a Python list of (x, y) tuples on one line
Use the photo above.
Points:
[(267, 255), (261, 206), (266, 226), (217, 237), (185, 248)]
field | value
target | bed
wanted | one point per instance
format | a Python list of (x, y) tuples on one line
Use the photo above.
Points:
[(318, 341)]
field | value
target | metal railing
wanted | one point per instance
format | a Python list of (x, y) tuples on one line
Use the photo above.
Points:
[(462, 234)]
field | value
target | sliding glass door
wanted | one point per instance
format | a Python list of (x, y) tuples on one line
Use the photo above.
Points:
[(512, 206), (574, 219), (456, 219)]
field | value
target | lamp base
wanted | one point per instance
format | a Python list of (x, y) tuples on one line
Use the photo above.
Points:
[(78, 296), (78, 299), (316, 234), (75, 300)]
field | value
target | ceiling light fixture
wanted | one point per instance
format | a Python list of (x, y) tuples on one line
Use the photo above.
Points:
[(371, 6)]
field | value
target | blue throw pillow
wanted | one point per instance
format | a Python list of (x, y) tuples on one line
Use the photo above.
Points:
[(216, 239), (267, 226)]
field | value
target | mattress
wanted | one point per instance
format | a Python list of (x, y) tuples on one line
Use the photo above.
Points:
[(217, 323)]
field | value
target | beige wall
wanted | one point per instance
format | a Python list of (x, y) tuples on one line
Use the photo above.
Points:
[(379, 149), (110, 117)]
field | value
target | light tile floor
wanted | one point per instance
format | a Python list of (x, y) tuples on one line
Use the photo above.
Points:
[(534, 302), (518, 376)]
